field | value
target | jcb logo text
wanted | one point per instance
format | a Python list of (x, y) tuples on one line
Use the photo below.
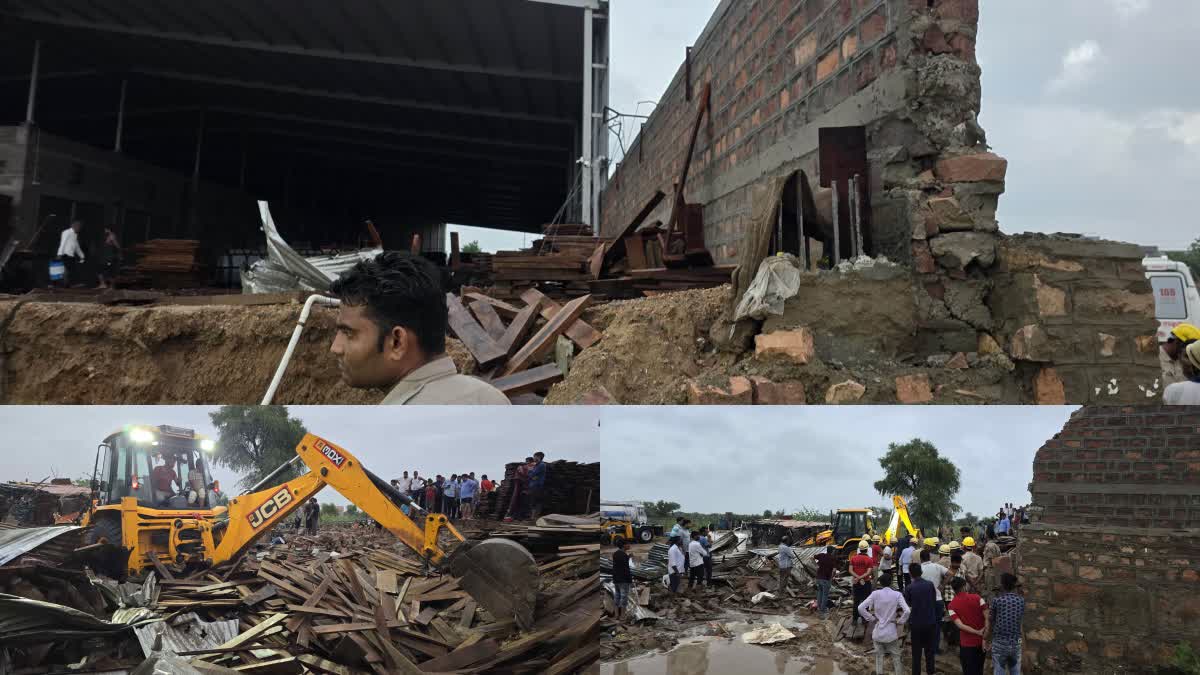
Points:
[(334, 456), (269, 508)]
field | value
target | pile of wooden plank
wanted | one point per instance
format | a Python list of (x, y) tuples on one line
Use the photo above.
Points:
[(556, 264), (509, 341), (571, 488), (170, 263)]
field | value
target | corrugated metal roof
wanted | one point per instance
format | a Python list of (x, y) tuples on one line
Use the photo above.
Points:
[(186, 633), (25, 621), (16, 542), (50, 488)]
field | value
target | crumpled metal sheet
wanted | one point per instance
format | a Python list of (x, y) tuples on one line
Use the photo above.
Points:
[(185, 633), (633, 609), (25, 621), (174, 665), (18, 541), (286, 270)]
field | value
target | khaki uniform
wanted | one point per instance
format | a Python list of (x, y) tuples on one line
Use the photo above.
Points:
[(438, 383)]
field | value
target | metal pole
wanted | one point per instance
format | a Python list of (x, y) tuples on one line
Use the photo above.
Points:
[(837, 226), (120, 118), (588, 143), (858, 200), (779, 228), (196, 175), (33, 81), (852, 204), (800, 221)]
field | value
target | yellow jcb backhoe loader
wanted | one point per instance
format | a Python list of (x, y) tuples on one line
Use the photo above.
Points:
[(154, 497), (849, 525)]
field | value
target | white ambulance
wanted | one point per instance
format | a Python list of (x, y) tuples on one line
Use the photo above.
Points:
[(1176, 299)]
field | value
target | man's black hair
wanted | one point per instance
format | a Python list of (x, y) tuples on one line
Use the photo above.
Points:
[(914, 570), (926, 556), (1008, 581), (885, 579), (958, 583), (398, 289)]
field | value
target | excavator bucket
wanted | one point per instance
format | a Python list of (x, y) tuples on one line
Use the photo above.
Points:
[(501, 576)]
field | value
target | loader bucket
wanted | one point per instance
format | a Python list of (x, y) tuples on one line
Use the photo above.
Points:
[(501, 576)]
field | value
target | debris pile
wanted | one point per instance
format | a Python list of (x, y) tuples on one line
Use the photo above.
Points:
[(555, 264), (510, 342), (169, 263), (46, 503), (571, 488), (348, 600)]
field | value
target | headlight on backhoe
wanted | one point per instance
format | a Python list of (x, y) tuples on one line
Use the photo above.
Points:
[(208, 445), (139, 435)]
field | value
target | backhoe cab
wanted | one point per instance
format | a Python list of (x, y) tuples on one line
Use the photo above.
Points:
[(155, 500), (848, 528)]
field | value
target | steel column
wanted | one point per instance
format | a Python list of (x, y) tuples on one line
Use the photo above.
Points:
[(120, 118), (586, 128), (33, 81)]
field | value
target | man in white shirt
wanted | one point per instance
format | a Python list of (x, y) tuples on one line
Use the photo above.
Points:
[(888, 609), (907, 557), (1186, 392), (696, 556), (70, 252), (675, 564)]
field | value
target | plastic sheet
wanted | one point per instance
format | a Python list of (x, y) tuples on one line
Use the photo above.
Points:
[(768, 635), (777, 280)]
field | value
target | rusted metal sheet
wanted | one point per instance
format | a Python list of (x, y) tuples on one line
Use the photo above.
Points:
[(19, 541)]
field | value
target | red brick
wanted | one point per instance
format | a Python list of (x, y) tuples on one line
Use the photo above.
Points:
[(767, 392), (888, 56), (806, 49), (981, 166), (849, 46), (934, 41), (874, 27), (922, 257), (963, 46), (963, 10), (912, 389), (827, 65), (738, 392), (796, 345)]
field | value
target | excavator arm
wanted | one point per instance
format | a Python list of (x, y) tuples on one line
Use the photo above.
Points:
[(500, 574), (899, 517)]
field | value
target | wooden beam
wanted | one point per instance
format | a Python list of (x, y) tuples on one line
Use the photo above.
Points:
[(527, 381), (580, 332), (502, 308), (517, 332), (464, 326), (544, 340), (489, 319)]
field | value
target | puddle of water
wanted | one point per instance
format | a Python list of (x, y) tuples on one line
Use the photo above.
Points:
[(698, 656)]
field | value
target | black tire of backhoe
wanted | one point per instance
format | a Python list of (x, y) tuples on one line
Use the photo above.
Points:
[(109, 529)]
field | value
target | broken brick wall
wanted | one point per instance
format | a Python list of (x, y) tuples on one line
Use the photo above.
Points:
[(1110, 567), (782, 69)]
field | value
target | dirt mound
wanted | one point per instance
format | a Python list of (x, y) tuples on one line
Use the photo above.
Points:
[(650, 347), (76, 353)]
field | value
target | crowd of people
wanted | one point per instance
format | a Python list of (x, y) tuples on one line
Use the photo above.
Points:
[(459, 496), (1181, 366), (959, 592)]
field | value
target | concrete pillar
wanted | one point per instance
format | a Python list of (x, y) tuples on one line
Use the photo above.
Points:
[(120, 118), (33, 81)]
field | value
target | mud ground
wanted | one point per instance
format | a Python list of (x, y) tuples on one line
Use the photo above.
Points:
[(80, 353)]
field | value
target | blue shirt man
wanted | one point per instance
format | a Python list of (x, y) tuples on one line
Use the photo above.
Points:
[(537, 475), (466, 490)]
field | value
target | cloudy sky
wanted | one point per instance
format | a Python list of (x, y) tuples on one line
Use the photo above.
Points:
[(1088, 99), (61, 440), (746, 460)]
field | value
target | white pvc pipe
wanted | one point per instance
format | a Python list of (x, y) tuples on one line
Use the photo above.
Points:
[(287, 355)]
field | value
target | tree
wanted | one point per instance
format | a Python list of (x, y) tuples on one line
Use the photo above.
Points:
[(1191, 256), (352, 510), (472, 247), (328, 509), (256, 440), (766, 513), (968, 520), (661, 509), (926, 480)]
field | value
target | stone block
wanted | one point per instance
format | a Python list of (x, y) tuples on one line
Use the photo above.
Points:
[(988, 345), (1107, 302), (845, 392), (948, 215), (913, 389), (739, 391), (1031, 343), (982, 166), (1108, 344), (922, 258), (796, 345), (767, 392), (958, 362), (957, 250), (1048, 388), (1051, 300)]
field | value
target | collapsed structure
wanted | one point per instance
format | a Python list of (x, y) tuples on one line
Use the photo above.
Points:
[(1113, 558)]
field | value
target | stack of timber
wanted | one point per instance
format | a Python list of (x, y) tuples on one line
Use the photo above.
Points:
[(571, 488), (560, 537), (511, 340), (556, 264), (170, 263)]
